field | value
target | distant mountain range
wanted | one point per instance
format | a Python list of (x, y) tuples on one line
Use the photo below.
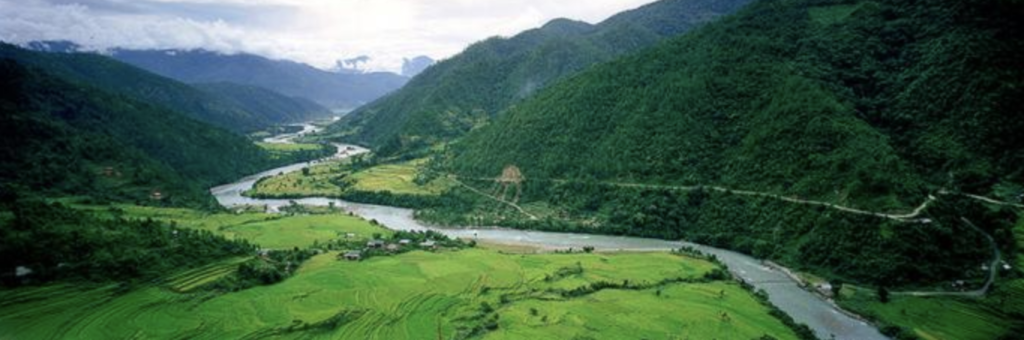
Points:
[(469, 89), (346, 87), (336, 90)]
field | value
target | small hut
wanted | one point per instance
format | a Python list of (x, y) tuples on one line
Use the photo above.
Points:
[(353, 255)]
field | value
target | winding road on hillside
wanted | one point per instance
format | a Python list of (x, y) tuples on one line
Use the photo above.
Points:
[(785, 290), (824, 317)]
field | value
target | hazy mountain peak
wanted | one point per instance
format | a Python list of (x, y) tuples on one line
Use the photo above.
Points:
[(357, 65), (412, 67)]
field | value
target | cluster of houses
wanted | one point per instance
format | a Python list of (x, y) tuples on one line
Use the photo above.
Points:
[(356, 255)]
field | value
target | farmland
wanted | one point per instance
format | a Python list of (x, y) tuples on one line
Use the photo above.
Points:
[(472, 293)]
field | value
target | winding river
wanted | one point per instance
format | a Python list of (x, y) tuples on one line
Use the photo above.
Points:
[(824, 317)]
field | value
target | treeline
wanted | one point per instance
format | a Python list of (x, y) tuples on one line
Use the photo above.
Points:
[(54, 242)]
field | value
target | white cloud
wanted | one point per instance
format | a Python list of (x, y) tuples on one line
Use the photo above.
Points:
[(318, 32)]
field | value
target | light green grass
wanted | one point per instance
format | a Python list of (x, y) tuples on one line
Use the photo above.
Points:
[(933, 318), (680, 312), (399, 179), (289, 147), (301, 231), (411, 296), (272, 231), (324, 179), (319, 182)]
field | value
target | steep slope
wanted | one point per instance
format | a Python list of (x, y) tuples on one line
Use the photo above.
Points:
[(793, 97), (113, 76), (333, 90), (64, 138), (265, 104), (463, 92), (871, 105)]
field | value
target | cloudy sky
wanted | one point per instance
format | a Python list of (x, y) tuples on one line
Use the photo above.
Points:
[(318, 32)]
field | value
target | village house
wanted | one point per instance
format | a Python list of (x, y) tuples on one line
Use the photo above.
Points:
[(429, 244), (404, 241), (354, 255), (375, 244), (392, 247)]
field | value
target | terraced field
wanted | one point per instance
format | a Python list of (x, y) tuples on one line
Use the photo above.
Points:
[(272, 231), (416, 295), (334, 178)]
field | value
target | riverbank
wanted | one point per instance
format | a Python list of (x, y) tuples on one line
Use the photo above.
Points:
[(824, 318)]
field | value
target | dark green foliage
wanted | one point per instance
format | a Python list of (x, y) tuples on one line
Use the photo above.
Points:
[(860, 103), (60, 137), (883, 294), (462, 93), (59, 243), (763, 101), (118, 78), (266, 105)]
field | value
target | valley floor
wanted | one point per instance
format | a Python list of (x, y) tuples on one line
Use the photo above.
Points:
[(472, 293)]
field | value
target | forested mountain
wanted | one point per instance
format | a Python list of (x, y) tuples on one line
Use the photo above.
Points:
[(332, 90), (463, 92), (116, 77), (63, 137), (265, 104), (870, 104)]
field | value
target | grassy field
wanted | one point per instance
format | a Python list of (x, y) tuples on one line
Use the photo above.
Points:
[(412, 296), (952, 318), (935, 318), (272, 231), (334, 178), (288, 147), (291, 150), (397, 178)]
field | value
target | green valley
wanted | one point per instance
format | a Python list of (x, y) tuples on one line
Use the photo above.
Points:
[(579, 170), (478, 293)]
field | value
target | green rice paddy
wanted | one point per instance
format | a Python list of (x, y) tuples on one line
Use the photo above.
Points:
[(417, 295)]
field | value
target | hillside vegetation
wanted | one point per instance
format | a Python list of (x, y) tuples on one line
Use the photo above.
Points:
[(65, 138), (873, 105), (465, 91), (119, 78), (266, 105)]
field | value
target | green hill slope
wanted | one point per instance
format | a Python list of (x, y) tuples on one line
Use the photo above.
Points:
[(116, 77), (64, 138), (852, 102), (265, 104), (871, 105), (461, 93)]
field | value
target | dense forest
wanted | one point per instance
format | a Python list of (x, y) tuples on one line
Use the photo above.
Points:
[(860, 102), (116, 77), (465, 91), (868, 104), (268, 105), (61, 137)]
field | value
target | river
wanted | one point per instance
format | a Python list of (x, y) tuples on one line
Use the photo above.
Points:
[(822, 316)]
